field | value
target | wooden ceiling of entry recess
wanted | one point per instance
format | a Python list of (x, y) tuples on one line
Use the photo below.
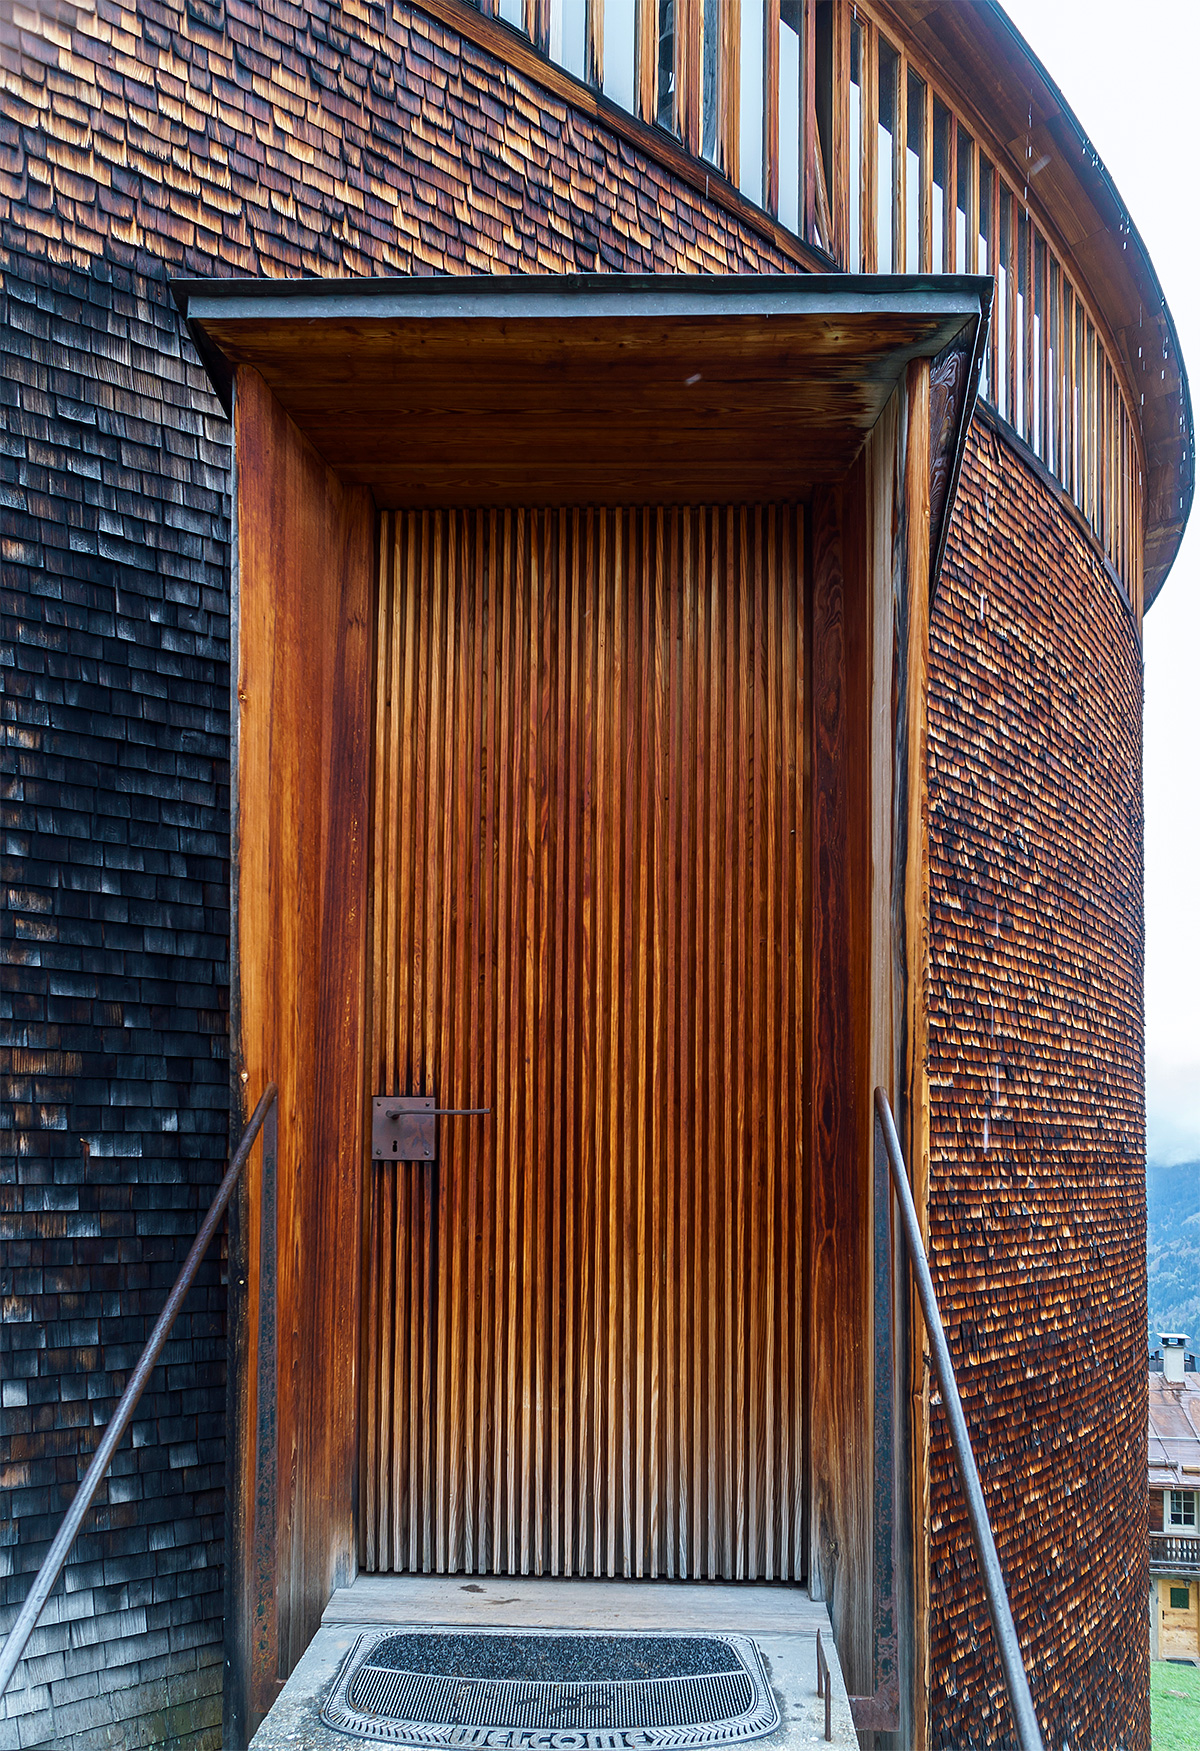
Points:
[(492, 410)]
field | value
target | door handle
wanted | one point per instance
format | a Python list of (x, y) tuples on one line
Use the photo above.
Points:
[(403, 1128), (445, 1112)]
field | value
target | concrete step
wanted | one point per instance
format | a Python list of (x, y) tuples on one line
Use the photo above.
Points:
[(781, 1620)]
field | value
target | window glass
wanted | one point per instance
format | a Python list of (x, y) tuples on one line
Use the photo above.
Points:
[(750, 100), (568, 35), (513, 12), (1181, 1598), (984, 263), (664, 112), (985, 259), (1183, 1508), (1038, 429), (1079, 404), (1053, 367), (1055, 372), (914, 176), (1089, 430), (710, 141), (942, 218), (854, 260), (791, 133), (885, 174), (1111, 454), (1020, 412), (620, 52), (962, 213), (1068, 388), (823, 105), (1002, 326)]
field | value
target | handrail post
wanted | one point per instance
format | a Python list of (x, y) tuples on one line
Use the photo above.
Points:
[(995, 1591), (880, 1710), (55, 1558)]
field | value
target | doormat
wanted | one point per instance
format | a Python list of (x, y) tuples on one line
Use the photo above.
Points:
[(551, 1690)]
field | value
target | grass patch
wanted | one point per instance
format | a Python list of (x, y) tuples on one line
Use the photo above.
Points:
[(1174, 1706)]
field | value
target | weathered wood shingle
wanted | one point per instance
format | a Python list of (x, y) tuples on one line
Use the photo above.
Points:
[(114, 933), (1037, 1214)]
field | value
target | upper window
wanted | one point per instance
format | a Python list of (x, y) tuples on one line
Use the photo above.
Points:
[(1181, 1510)]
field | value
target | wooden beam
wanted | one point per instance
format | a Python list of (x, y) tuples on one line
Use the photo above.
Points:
[(771, 107), (304, 587), (646, 71), (808, 106), (915, 1119), (838, 173), (838, 1184)]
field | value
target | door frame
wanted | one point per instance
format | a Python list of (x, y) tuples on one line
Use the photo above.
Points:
[(302, 591)]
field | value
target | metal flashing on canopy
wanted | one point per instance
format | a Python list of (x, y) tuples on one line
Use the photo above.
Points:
[(593, 390)]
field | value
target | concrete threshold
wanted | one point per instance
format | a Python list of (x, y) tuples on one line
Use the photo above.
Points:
[(782, 1620)]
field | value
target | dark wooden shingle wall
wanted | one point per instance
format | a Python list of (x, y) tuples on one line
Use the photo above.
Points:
[(113, 1017), (1037, 1215)]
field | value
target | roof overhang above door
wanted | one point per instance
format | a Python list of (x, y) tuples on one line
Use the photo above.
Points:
[(598, 389)]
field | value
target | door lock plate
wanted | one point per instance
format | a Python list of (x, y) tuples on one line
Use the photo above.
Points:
[(404, 1127)]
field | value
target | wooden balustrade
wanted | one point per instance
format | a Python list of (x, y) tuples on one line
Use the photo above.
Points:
[(1168, 1551)]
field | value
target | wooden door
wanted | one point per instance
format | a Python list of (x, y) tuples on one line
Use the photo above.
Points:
[(582, 1344), (1179, 1619)]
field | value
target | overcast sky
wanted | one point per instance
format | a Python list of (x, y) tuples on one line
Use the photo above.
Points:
[(1135, 92)]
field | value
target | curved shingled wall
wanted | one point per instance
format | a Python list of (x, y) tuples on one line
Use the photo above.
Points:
[(1037, 1191), (165, 138)]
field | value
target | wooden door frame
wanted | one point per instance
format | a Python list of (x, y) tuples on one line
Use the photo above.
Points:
[(866, 933), (301, 785)]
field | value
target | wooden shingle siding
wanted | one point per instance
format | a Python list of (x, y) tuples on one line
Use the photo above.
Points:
[(347, 140), (114, 925), (213, 139), (1037, 1196)]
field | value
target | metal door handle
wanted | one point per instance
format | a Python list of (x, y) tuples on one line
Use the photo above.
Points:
[(445, 1112), (403, 1129)]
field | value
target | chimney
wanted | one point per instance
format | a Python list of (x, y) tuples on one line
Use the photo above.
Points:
[(1172, 1348)]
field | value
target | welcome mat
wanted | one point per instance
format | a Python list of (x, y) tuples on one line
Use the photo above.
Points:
[(535, 1690)]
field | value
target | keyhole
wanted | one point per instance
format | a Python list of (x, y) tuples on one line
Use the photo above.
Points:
[(395, 1148)]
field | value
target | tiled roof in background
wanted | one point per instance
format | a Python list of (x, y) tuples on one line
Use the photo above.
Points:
[(1175, 1432)]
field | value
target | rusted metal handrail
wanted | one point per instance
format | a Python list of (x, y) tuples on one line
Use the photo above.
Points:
[(1016, 1680), (56, 1556), (825, 1688)]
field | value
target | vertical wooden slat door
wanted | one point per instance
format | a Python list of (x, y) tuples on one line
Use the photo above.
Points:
[(583, 1323)]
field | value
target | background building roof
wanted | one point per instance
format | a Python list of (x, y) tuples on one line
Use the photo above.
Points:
[(1175, 1433)]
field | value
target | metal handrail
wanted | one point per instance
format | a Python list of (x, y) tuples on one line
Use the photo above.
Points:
[(56, 1556), (996, 1593), (825, 1688)]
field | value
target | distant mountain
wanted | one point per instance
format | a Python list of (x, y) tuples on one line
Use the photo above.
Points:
[(1173, 1249)]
